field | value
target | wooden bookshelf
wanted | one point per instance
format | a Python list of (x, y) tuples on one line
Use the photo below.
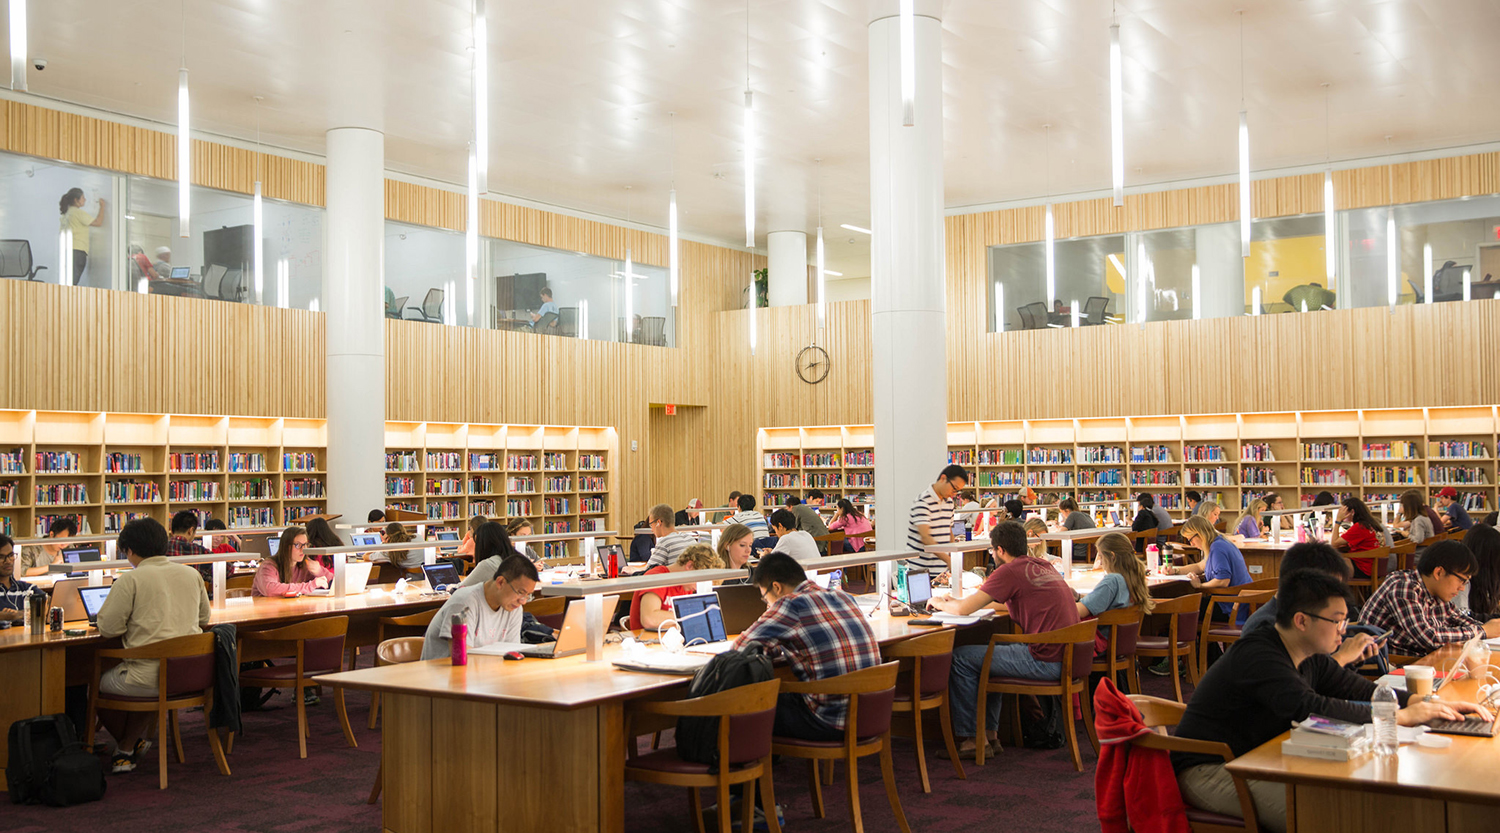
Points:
[(1229, 458)]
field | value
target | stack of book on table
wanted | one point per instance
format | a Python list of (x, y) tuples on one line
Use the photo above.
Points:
[(1324, 737)]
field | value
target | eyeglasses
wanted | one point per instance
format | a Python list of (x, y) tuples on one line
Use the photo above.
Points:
[(7, 556), (1340, 623), (300, 546), (1463, 578), (525, 597)]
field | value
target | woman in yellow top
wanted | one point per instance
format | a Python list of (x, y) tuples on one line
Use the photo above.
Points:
[(77, 221)]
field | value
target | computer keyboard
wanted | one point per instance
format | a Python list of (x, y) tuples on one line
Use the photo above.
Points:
[(1471, 727)]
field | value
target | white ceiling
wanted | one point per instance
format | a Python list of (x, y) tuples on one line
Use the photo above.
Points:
[(581, 91)]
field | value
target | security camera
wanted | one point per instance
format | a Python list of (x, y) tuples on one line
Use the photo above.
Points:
[(39, 63)]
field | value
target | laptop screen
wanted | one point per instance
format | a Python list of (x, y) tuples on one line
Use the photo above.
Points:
[(440, 575), (918, 587), (273, 544), (365, 539), (699, 617), (610, 552), (181, 272), (78, 555), (93, 599), (447, 535)]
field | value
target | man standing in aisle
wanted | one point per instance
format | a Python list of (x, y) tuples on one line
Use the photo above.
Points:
[(931, 520)]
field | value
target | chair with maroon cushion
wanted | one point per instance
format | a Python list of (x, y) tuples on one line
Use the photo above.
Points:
[(871, 693), (1241, 599), (315, 647), (390, 627), (1077, 643), (1123, 629), (746, 715), (1180, 642), (1366, 585), (1158, 714), (186, 679), (923, 686), (392, 652)]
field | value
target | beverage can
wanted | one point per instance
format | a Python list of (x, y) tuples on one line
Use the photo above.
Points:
[(55, 619)]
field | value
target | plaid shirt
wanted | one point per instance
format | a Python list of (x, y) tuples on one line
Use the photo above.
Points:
[(1419, 622), (823, 634), (184, 546)]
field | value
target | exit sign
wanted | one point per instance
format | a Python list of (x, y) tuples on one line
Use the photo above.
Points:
[(670, 409)]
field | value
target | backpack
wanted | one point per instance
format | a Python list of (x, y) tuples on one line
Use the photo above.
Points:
[(698, 737), (1042, 721), (49, 765)]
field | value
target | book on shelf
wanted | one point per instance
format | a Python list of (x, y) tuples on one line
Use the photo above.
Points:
[(484, 461), (1150, 454), (118, 462), (1101, 454), (401, 461), (521, 462), (1204, 454), (57, 462), (13, 461), (554, 461), (302, 487), (1257, 453), (444, 461), (299, 461), (520, 484), (189, 462), (1456, 449), (591, 462), (1325, 451), (250, 462)]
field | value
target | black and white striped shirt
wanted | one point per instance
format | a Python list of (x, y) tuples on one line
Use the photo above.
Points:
[(938, 515)]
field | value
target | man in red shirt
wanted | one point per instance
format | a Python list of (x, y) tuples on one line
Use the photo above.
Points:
[(1038, 600)]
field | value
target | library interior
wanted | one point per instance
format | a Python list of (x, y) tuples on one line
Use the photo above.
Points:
[(487, 415)]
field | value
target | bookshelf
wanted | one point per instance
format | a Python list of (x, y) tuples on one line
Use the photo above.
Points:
[(104, 469), (558, 477), (1229, 458)]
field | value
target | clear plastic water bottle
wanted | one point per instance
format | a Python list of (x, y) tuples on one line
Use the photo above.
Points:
[(1153, 559), (1383, 706), (901, 570)]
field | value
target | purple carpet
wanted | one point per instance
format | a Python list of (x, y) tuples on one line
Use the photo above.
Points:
[(273, 790)]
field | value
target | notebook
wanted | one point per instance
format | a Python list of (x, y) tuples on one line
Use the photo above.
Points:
[(572, 639), (662, 662), (93, 599)]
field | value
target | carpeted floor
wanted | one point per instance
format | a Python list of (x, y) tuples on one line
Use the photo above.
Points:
[(273, 791)]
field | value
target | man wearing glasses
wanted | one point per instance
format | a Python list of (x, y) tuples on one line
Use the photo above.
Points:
[(13, 591), (1273, 676), (492, 610), (1416, 606)]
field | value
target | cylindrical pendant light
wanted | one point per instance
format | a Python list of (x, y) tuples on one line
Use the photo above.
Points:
[(754, 302), (1330, 227), (1051, 260), (471, 237), (481, 88), (184, 155), (1116, 116), (1392, 266), (1197, 294), (257, 257), (18, 45), (672, 242), (822, 283), (749, 170), (1244, 184), (1427, 273)]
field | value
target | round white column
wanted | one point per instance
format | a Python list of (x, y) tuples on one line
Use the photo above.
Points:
[(788, 265), (354, 303), (906, 262)]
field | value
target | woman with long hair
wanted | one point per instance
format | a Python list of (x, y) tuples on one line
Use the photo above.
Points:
[(395, 533), (1248, 524), (76, 223), (466, 546), (736, 545), (491, 546), (1414, 517), (1484, 589), (290, 571), (1035, 528), (1364, 533), (1222, 566), (522, 526), (1124, 581), (852, 522)]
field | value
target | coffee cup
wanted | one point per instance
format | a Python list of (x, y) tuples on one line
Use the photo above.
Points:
[(1419, 681)]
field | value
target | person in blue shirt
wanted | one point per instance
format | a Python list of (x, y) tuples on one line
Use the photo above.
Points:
[(1222, 565), (13, 591), (1454, 514), (547, 307)]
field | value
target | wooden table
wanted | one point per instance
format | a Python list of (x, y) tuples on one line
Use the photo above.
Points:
[(546, 734), (1454, 790), (37, 670)]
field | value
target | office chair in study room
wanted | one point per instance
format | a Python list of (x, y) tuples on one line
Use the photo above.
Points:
[(393, 310), (1034, 316), (567, 322), (232, 286), (1094, 310), (15, 260), (431, 310), (547, 324), (654, 330)]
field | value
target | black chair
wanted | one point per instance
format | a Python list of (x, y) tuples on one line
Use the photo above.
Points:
[(567, 323), (1033, 316), (1416, 291), (1094, 310), (431, 310), (1448, 283), (654, 331), (547, 324), (394, 310), (15, 260), (232, 286)]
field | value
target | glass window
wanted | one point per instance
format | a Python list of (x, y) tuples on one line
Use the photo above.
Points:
[(217, 260), (1088, 273), (66, 248), (588, 295), (1168, 265), (1363, 276), (425, 275), (1450, 251), (1287, 270)]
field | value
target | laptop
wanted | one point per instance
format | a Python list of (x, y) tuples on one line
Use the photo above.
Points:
[(611, 554), (93, 599), (272, 545), (181, 273), (356, 576), (740, 605), (572, 639), (365, 539), (702, 623), (442, 578), (65, 595), (447, 535), (80, 554), (918, 590)]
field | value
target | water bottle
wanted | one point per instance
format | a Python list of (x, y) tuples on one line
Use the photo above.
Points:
[(901, 571), (460, 642), (1153, 559), (1383, 707)]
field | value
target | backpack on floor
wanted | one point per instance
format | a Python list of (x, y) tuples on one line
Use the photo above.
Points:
[(1042, 722), (698, 737), (49, 765)]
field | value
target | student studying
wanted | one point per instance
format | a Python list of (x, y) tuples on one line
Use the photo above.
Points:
[(491, 610)]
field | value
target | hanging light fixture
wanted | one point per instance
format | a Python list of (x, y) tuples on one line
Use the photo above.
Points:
[(258, 268), (1330, 219), (1049, 229), (1244, 152), (999, 307), (908, 62), (471, 236), (822, 271), (1116, 114), (583, 318), (184, 155), (1427, 273), (629, 274), (754, 302), (1197, 289), (749, 142), (672, 217), (18, 45), (481, 88), (1392, 265)]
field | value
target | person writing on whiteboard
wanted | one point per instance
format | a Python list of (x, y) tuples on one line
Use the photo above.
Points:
[(492, 610), (76, 223), (547, 307), (931, 518), (290, 572)]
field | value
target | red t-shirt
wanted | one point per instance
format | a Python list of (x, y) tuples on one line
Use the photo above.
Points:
[(665, 593), (1038, 598), (1359, 538)]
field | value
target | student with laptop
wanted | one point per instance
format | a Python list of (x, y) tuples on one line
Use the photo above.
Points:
[(736, 547), (221, 543), (750, 517), (821, 633), (1454, 516), (1070, 519), (650, 608), (669, 542), (1038, 600), (809, 521), (13, 591), (492, 610), (852, 522), (154, 601), (1416, 606), (1273, 676), (183, 542), (491, 547), (290, 571), (790, 539), (1223, 564), (35, 560), (396, 533)]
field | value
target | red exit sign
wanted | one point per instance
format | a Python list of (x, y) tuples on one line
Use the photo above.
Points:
[(670, 409)]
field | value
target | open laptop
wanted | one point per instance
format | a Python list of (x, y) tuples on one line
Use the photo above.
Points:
[(572, 639), (918, 590), (272, 545), (442, 577), (447, 535), (356, 576), (65, 595), (365, 539), (702, 623), (93, 599), (740, 605), (78, 555), (181, 273), (611, 553)]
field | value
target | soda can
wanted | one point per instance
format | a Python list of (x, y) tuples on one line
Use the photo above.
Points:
[(55, 619)]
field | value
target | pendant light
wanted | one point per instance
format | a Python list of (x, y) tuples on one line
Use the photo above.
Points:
[(1244, 152), (184, 143), (1116, 111), (258, 268), (1049, 229), (749, 142), (629, 276), (18, 46), (1392, 265), (481, 90), (1330, 219), (672, 217), (822, 271)]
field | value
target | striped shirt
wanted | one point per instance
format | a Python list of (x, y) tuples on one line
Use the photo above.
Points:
[(668, 548), (823, 634), (938, 515), (753, 519)]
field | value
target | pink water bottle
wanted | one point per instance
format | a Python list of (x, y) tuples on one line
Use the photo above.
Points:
[(460, 642)]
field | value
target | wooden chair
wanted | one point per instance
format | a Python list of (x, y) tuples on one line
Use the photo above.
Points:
[(186, 679), (746, 715), (1367, 584), (389, 627), (867, 731), (391, 652), (1124, 628), (926, 660), (1228, 632), (1158, 714), (1145, 538), (317, 647), (1077, 643), (1178, 644), (1406, 553)]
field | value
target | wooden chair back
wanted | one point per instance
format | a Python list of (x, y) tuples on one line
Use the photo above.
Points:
[(931, 656), (1124, 628), (1158, 715), (871, 692), (747, 714), (399, 650), (1377, 567), (1077, 641), (317, 644)]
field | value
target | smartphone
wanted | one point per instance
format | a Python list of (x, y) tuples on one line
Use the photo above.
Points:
[(1383, 637)]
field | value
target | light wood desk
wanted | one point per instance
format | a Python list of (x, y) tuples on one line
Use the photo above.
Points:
[(547, 734), (1453, 790)]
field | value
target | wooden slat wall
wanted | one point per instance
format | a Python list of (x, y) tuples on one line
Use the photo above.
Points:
[(425, 206), (680, 461)]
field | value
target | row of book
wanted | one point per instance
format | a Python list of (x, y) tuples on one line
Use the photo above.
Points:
[(591, 483), (590, 524), (444, 461), (998, 478), (1456, 476), (246, 461), (824, 480), (444, 486), (484, 461), (1150, 454), (1325, 477), (443, 510), (481, 485), (557, 528), (117, 462), (861, 458), (1220, 476), (43, 523), (961, 457), (193, 490), (774, 480), (1049, 478), (1325, 451), (821, 460), (258, 488), (401, 461), (780, 460), (1258, 476), (1394, 450), (861, 480), (1049, 456), (303, 488), (521, 462), (400, 486), (591, 462), (556, 505), (60, 494), (13, 461), (1154, 477), (10, 493), (518, 506), (299, 461), (57, 462), (115, 521), (1001, 457), (558, 484), (555, 461), (594, 505), (482, 507), (1392, 476), (1204, 454), (250, 516), (1448, 449), (131, 491), (520, 484), (1101, 454), (1101, 477), (1256, 453), (193, 461)]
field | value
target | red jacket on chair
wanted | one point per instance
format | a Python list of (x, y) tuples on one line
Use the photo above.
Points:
[(1135, 789)]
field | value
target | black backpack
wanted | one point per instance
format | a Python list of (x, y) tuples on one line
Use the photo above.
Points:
[(698, 737), (49, 765)]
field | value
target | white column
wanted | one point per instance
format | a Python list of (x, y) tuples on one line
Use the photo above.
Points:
[(788, 265), (906, 261), (353, 300)]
